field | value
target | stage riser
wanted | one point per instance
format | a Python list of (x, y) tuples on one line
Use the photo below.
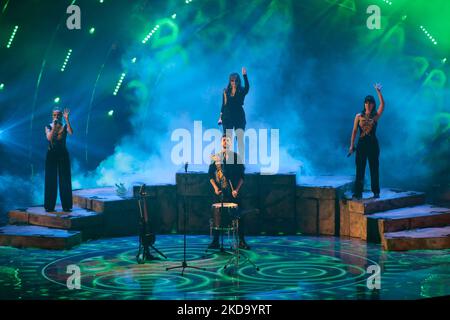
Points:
[(271, 205), (90, 223), (38, 237), (418, 239), (271, 199), (55, 220), (416, 244), (353, 222), (376, 227), (400, 213), (317, 204), (38, 242), (404, 199), (276, 199), (120, 214)]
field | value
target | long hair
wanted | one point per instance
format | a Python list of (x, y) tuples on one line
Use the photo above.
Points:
[(238, 83), (369, 99)]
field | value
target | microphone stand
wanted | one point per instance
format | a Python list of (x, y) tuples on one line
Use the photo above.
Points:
[(184, 263)]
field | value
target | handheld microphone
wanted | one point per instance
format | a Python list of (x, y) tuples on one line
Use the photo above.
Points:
[(350, 153)]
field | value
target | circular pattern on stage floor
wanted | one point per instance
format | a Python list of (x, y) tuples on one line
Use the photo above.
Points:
[(288, 268)]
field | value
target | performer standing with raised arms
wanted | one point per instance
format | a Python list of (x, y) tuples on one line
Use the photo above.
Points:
[(232, 114), (367, 147)]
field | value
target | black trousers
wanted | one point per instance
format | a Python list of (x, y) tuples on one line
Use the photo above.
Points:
[(57, 167), (227, 197), (367, 149)]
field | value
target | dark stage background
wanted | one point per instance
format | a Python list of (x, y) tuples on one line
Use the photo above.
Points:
[(310, 65)]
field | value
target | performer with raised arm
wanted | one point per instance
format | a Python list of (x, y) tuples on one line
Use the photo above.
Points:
[(226, 175), (57, 162), (367, 148), (232, 114)]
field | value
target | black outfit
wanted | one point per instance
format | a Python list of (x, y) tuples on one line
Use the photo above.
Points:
[(233, 171), (57, 165), (367, 149), (233, 114)]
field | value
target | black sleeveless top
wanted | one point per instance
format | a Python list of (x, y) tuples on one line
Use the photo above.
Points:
[(367, 127)]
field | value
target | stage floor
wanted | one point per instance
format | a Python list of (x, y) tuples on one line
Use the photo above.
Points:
[(291, 267)]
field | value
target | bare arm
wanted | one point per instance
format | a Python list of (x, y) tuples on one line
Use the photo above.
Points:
[(354, 131), (50, 133), (66, 117), (380, 97), (246, 83), (69, 127), (216, 188), (224, 102)]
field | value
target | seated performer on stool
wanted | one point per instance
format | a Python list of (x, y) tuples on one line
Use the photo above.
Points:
[(57, 163), (227, 176)]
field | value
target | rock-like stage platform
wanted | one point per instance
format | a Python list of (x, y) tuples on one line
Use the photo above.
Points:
[(281, 204)]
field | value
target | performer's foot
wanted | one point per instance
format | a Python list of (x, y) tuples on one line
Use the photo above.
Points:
[(67, 210), (357, 196), (214, 245), (243, 245), (376, 195)]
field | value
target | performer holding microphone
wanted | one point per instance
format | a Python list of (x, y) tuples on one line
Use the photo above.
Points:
[(367, 147), (57, 162)]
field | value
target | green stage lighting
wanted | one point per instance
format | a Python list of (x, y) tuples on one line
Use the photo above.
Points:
[(11, 38), (57, 100), (66, 60), (110, 113), (2, 86), (92, 30), (150, 34), (119, 84)]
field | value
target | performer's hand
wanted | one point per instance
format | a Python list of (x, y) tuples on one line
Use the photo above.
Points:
[(351, 150), (244, 71), (217, 191), (219, 122), (234, 193), (378, 86), (66, 114)]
